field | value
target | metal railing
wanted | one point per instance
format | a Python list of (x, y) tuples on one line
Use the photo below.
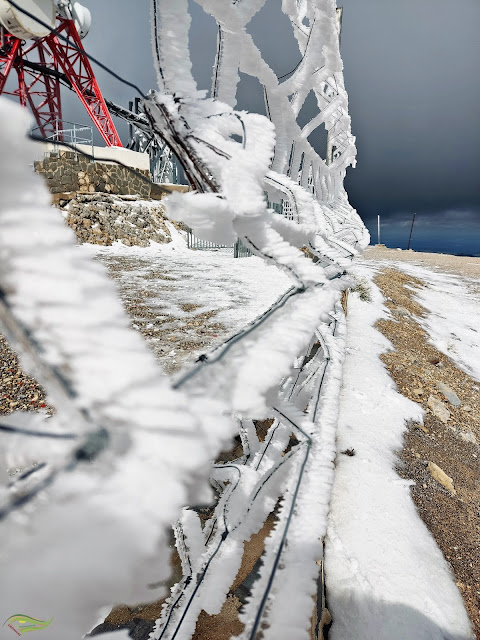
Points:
[(284, 208), (74, 134), (197, 244), (240, 250)]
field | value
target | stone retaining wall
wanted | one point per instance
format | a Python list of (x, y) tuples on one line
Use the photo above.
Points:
[(63, 172)]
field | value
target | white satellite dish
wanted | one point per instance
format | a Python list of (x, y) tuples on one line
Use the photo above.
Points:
[(72, 10), (82, 17), (22, 26)]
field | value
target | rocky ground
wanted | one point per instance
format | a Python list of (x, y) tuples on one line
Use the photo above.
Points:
[(442, 456), (100, 218), (18, 392)]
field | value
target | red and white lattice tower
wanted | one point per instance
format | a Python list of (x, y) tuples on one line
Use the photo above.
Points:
[(42, 60)]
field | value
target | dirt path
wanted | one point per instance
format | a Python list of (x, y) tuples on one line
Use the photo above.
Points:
[(451, 442)]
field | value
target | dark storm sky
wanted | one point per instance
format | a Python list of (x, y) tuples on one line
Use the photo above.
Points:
[(411, 70)]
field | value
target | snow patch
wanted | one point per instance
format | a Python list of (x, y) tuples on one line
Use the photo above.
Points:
[(386, 577)]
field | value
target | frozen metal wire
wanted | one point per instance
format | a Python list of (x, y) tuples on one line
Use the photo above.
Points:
[(201, 576), (93, 444), (208, 180), (221, 351), (36, 434), (280, 411)]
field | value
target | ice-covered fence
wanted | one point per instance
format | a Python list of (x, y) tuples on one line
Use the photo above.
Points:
[(239, 250), (152, 441), (124, 452), (274, 368)]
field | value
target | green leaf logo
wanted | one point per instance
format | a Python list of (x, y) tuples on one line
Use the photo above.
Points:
[(21, 624)]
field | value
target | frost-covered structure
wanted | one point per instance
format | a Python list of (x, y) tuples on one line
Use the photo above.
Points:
[(152, 441), (233, 158)]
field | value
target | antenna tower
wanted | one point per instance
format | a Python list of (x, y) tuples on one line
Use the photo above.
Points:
[(31, 44)]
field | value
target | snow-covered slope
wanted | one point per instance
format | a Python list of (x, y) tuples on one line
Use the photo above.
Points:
[(386, 577), (453, 303)]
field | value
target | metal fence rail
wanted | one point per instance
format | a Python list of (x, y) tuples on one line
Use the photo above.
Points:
[(240, 250), (69, 132), (197, 244)]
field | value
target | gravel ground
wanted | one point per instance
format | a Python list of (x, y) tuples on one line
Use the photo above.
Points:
[(18, 392), (417, 367), (176, 335), (184, 302), (463, 266)]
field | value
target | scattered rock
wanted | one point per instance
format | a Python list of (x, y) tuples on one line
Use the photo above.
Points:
[(421, 427), (418, 392), (467, 408), (401, 311), (18, 392), (99, 218), (348, 452), (449, 394), (439, 409), (468, 436), (440, 476)]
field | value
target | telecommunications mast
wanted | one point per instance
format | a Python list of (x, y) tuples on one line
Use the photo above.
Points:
[(30, 45)]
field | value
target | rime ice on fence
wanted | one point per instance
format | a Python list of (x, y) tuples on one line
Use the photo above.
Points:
[(233, 158), (153, 440), (90, 535)]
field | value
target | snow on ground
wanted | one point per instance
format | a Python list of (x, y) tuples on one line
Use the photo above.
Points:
[(186, 301), (386, 577), (453, 303)]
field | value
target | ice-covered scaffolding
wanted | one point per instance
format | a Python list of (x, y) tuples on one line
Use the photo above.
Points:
[(151, 439), (286, 366)]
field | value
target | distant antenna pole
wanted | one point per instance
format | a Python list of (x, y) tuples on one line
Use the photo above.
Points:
[(411, 229), (339, 23), (378, 230), (330, 137)]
